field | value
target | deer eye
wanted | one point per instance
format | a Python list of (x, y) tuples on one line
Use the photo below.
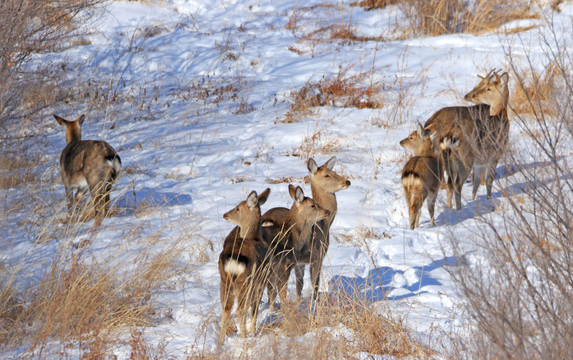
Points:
[(326, 176), (313, 206)]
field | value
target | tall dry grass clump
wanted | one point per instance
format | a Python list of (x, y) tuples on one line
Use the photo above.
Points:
[(440, 17), (519, 291), (537, 91), (80, 302), (344, 326), (26, 28)]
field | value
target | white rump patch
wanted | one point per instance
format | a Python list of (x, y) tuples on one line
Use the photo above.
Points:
[(114, 164), (233, 267), (267, 223)]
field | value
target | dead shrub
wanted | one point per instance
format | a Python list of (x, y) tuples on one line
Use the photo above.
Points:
[(81, 300), (30, 27), (316, 143), (518, 290), (535, 93), (440, 17), (339, 90), (366, 331), (345, 33), (376, 4)]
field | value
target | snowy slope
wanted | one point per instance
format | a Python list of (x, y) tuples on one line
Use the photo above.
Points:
[(191, 155)]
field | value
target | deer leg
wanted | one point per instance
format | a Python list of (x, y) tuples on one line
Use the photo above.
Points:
[(489, 176), (70, 199), (227, 301), (476, 180), (282, 283), (299, 272), (98, 196), (458, 194), (431, 206), (242, 313), (315, 267), (272, 291)]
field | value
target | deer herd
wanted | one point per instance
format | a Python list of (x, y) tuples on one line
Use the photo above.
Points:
[(263, 249)]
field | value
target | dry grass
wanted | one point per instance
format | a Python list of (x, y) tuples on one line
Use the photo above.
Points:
[(319, 142), (81, 301), (345, 34), (339, 90), (535, 93), (16, 170), (376, 4), (342, 327), (319, 25), (440, 17)]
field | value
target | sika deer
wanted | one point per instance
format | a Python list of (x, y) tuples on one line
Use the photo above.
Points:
[(324, 183), (288, 233), (462, 134), (421, 176), (87, 164), (493, 130), (243, 263)]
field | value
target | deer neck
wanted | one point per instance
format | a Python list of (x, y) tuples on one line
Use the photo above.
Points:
[(298, 228), (426, 150), (251, 230), (72, 136), (499, 107), (326, 201)]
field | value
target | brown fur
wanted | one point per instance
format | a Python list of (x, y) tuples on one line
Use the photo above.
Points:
[(87, 164), (324, 183), (492, 130), (421, 176), (288, 232), (243, 264), (479, 133)]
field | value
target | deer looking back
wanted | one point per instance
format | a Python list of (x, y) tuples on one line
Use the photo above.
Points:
[(243, 263), (87, 164), (422, 175)]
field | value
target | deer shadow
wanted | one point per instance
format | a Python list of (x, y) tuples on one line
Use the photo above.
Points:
[(375, 286), (380, 282), (482, 205), (129, 203)]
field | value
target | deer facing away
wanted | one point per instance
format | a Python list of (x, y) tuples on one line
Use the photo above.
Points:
[(87, 164), (422, 175), (243, 264)]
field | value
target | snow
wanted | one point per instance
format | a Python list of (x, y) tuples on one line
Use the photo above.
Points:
[(197, 157)]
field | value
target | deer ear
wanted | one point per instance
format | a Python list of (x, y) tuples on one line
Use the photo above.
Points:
[(298, 195), (330, 163), (503, 79), (252, 200), (291, 191), (61, 120), (264, 196), (81, 119), (420, 130), (312, 166)]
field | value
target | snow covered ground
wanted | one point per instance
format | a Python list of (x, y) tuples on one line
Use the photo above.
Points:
[(198, 94)]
